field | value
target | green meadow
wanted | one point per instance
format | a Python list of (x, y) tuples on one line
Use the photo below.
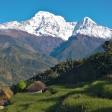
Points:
[(86, 97)]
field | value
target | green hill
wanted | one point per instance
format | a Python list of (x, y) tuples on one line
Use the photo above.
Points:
[(95, 67)]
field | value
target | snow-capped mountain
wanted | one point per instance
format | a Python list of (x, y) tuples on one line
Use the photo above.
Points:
[(44, 24), (46, 33), (87, 37), (89, 28), (48, 24)]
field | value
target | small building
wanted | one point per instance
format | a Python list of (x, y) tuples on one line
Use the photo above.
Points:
[(37, 87)]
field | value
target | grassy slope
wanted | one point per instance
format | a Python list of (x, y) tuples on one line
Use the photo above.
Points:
[(87, 97)]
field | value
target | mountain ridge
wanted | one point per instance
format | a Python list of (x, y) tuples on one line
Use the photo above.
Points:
[(90, 28), (77, 47), (43, 24), (52, 35), (47, 24), (19, 61)]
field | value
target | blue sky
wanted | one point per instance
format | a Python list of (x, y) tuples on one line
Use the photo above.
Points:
[(72, 10)]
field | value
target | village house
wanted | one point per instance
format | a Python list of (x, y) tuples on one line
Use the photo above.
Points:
[(37, 87)]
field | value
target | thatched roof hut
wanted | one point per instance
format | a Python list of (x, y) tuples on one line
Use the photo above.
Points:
[(37, 86)]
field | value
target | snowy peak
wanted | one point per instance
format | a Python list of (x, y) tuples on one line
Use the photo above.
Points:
[(44, 24), (48, 24), (85, 23), (44, 15), (88, 27), (88, 21)]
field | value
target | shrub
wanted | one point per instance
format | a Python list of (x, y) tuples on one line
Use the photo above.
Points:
[(21, 86)]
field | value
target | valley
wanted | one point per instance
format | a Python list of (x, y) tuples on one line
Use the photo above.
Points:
[(48, 64)]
